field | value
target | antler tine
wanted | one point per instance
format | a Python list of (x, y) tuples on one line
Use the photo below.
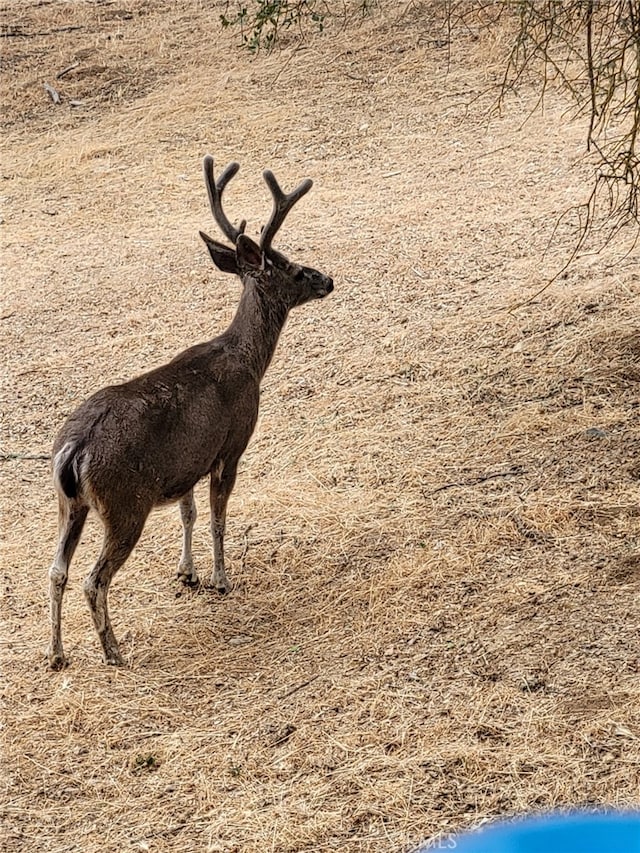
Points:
[(282, 204), (215, 190)]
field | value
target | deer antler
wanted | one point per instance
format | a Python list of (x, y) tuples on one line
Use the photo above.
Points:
[(282, 204), (215, 190)]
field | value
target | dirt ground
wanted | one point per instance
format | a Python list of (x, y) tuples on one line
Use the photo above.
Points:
[(434, 537)]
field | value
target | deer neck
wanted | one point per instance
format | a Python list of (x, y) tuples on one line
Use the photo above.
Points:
[(256, 326)]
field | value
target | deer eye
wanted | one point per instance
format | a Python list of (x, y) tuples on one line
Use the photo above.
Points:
[(299, 275)]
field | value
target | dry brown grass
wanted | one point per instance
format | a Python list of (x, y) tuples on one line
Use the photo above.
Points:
[(434, 536)]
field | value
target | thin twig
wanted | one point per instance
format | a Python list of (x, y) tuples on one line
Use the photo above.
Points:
[(297, 687), (18, 32), (11, 457), (512, 472), (67, 70), (286, 63), (245, 546)]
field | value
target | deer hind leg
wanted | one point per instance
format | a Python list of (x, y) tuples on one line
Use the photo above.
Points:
[(71, 518), (221, 485), (186, 571), (119, 540)]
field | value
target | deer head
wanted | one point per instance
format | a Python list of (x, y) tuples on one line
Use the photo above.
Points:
[(260, 263)]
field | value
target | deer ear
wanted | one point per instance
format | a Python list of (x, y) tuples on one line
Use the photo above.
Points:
[(248, 253), (222, 256)]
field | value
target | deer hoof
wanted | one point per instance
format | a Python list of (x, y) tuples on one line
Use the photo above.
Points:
[(57, 661), (187, 574), (221, 585), (188, 578)]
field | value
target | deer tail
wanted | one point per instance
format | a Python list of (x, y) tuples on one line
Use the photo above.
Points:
[(66, 469)]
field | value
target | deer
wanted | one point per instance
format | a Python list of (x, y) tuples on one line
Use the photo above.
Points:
[(135, 446)]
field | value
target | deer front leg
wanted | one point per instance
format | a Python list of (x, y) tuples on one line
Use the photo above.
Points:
[(186, 571), (222, 482)]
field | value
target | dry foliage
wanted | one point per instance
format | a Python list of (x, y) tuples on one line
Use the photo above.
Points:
[(592, 51), (434, 536)]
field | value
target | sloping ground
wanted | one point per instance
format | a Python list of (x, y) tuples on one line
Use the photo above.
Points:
[(434, 536)]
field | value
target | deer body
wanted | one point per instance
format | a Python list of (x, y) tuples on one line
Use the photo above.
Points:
[(134, 446), (164, 430)]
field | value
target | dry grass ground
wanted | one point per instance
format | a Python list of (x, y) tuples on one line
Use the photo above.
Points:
[(435, 534)]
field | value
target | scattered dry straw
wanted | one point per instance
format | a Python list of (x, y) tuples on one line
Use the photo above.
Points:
[(434, 536)]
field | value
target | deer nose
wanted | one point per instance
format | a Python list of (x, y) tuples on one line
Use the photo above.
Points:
[(322, 286)]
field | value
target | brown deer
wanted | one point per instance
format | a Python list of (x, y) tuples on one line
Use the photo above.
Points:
[(147, 442)]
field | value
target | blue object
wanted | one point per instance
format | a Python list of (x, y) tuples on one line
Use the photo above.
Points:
[(572, 832)]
